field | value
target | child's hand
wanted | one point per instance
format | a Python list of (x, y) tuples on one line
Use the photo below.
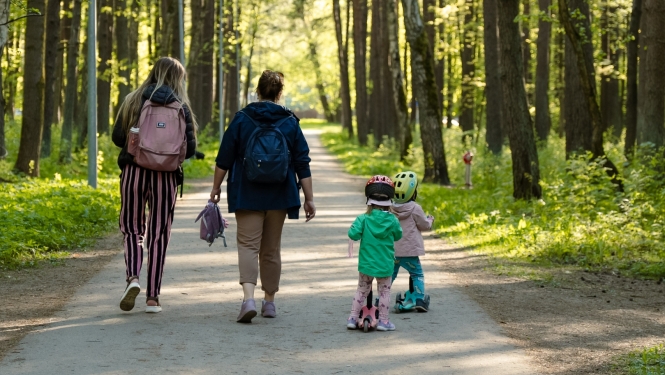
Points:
[(430, 218), (225, 223)]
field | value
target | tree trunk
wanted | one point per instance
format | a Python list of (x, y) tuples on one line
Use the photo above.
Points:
[(424, 86), (631, 78), (610, 108), (134, 43), (360, 68), (543, 120), (4, 37), (194, 63), (104, 69), (342, 55), (70, 91), (11, 78), (171, 36), (65, 31), (440, 67), (651, 99), (526, 44), (450, 91), (399, 95), (493, 92), (81, 108), (466, 120), (122, 51), (374, 112), (33, 93), (526, 170), (253, 29), (204, 115), (429, 17), (50, 59), (578, 121), (586, 76), (378, 47), (231, 84)]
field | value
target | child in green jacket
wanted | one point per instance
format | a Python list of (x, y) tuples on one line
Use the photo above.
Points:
[(377, 230)]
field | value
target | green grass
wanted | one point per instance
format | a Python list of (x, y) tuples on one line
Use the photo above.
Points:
[(647, 361), (43, 218), (581, 221)]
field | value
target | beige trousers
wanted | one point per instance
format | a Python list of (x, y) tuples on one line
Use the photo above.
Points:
[(259, 244)]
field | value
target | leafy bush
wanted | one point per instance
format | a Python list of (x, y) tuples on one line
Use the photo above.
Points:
[(42, 217), (581, 219)]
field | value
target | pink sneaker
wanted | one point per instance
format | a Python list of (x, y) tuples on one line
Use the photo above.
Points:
[(247, 311), (268, 309)]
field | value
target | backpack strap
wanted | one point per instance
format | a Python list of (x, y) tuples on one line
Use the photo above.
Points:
[(263, 125)]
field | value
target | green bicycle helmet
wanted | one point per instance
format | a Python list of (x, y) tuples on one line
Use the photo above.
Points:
[(405, 186)]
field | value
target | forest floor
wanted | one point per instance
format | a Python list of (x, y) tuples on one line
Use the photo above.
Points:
[(575, 322)]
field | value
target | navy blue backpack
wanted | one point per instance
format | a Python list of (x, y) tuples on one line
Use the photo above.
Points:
[(267, 154)]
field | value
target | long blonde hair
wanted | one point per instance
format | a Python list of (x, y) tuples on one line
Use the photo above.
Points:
[(167, 71)]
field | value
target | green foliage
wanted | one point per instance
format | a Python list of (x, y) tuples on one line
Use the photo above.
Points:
[(648, 361), (201, 168), (581, 220), (42, 217)]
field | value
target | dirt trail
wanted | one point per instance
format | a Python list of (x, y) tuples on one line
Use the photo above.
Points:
[(197, 333)]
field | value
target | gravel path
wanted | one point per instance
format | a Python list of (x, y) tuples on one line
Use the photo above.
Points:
[(197, 333)]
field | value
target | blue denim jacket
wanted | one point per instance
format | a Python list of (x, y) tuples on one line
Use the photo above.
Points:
[(243, 194)]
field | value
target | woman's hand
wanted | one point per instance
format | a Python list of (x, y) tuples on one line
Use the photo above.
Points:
[(215, 195), (310, 210)]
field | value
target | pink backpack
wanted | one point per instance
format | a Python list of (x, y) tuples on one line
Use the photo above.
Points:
[(158, 142)]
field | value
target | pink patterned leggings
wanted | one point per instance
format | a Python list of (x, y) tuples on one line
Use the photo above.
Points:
[(364, 286)]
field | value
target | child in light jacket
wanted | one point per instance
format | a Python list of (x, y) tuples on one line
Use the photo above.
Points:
[(413, 220)]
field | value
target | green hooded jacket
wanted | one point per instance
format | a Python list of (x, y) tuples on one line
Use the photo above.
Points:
[(377, 233)]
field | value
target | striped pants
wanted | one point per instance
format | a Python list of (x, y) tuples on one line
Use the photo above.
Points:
[(138, 187)]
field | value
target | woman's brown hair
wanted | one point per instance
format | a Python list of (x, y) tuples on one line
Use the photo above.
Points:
[(167, 71), (271, 84)]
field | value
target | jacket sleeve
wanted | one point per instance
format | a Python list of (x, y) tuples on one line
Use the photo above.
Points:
[(226, 155), (397, 229), (301, 157), (421, 220), (119, 136), (356, 230), (189, 132)]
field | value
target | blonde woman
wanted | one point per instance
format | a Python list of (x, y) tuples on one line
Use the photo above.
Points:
[(156, 189)]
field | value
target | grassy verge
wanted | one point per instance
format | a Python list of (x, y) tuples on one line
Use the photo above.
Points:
[(581, 220), (647, 361), (43, 218)]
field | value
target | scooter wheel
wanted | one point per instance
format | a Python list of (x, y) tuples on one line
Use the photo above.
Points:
[(399, 298), (365, 326), (397, 309)]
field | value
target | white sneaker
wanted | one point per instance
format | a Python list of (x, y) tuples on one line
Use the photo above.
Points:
[(153, 309), (129, 297)]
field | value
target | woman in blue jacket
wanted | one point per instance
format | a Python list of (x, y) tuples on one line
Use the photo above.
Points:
[(261, 208)]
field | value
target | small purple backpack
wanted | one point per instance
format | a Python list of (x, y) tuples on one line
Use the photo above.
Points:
[(212, 223)]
